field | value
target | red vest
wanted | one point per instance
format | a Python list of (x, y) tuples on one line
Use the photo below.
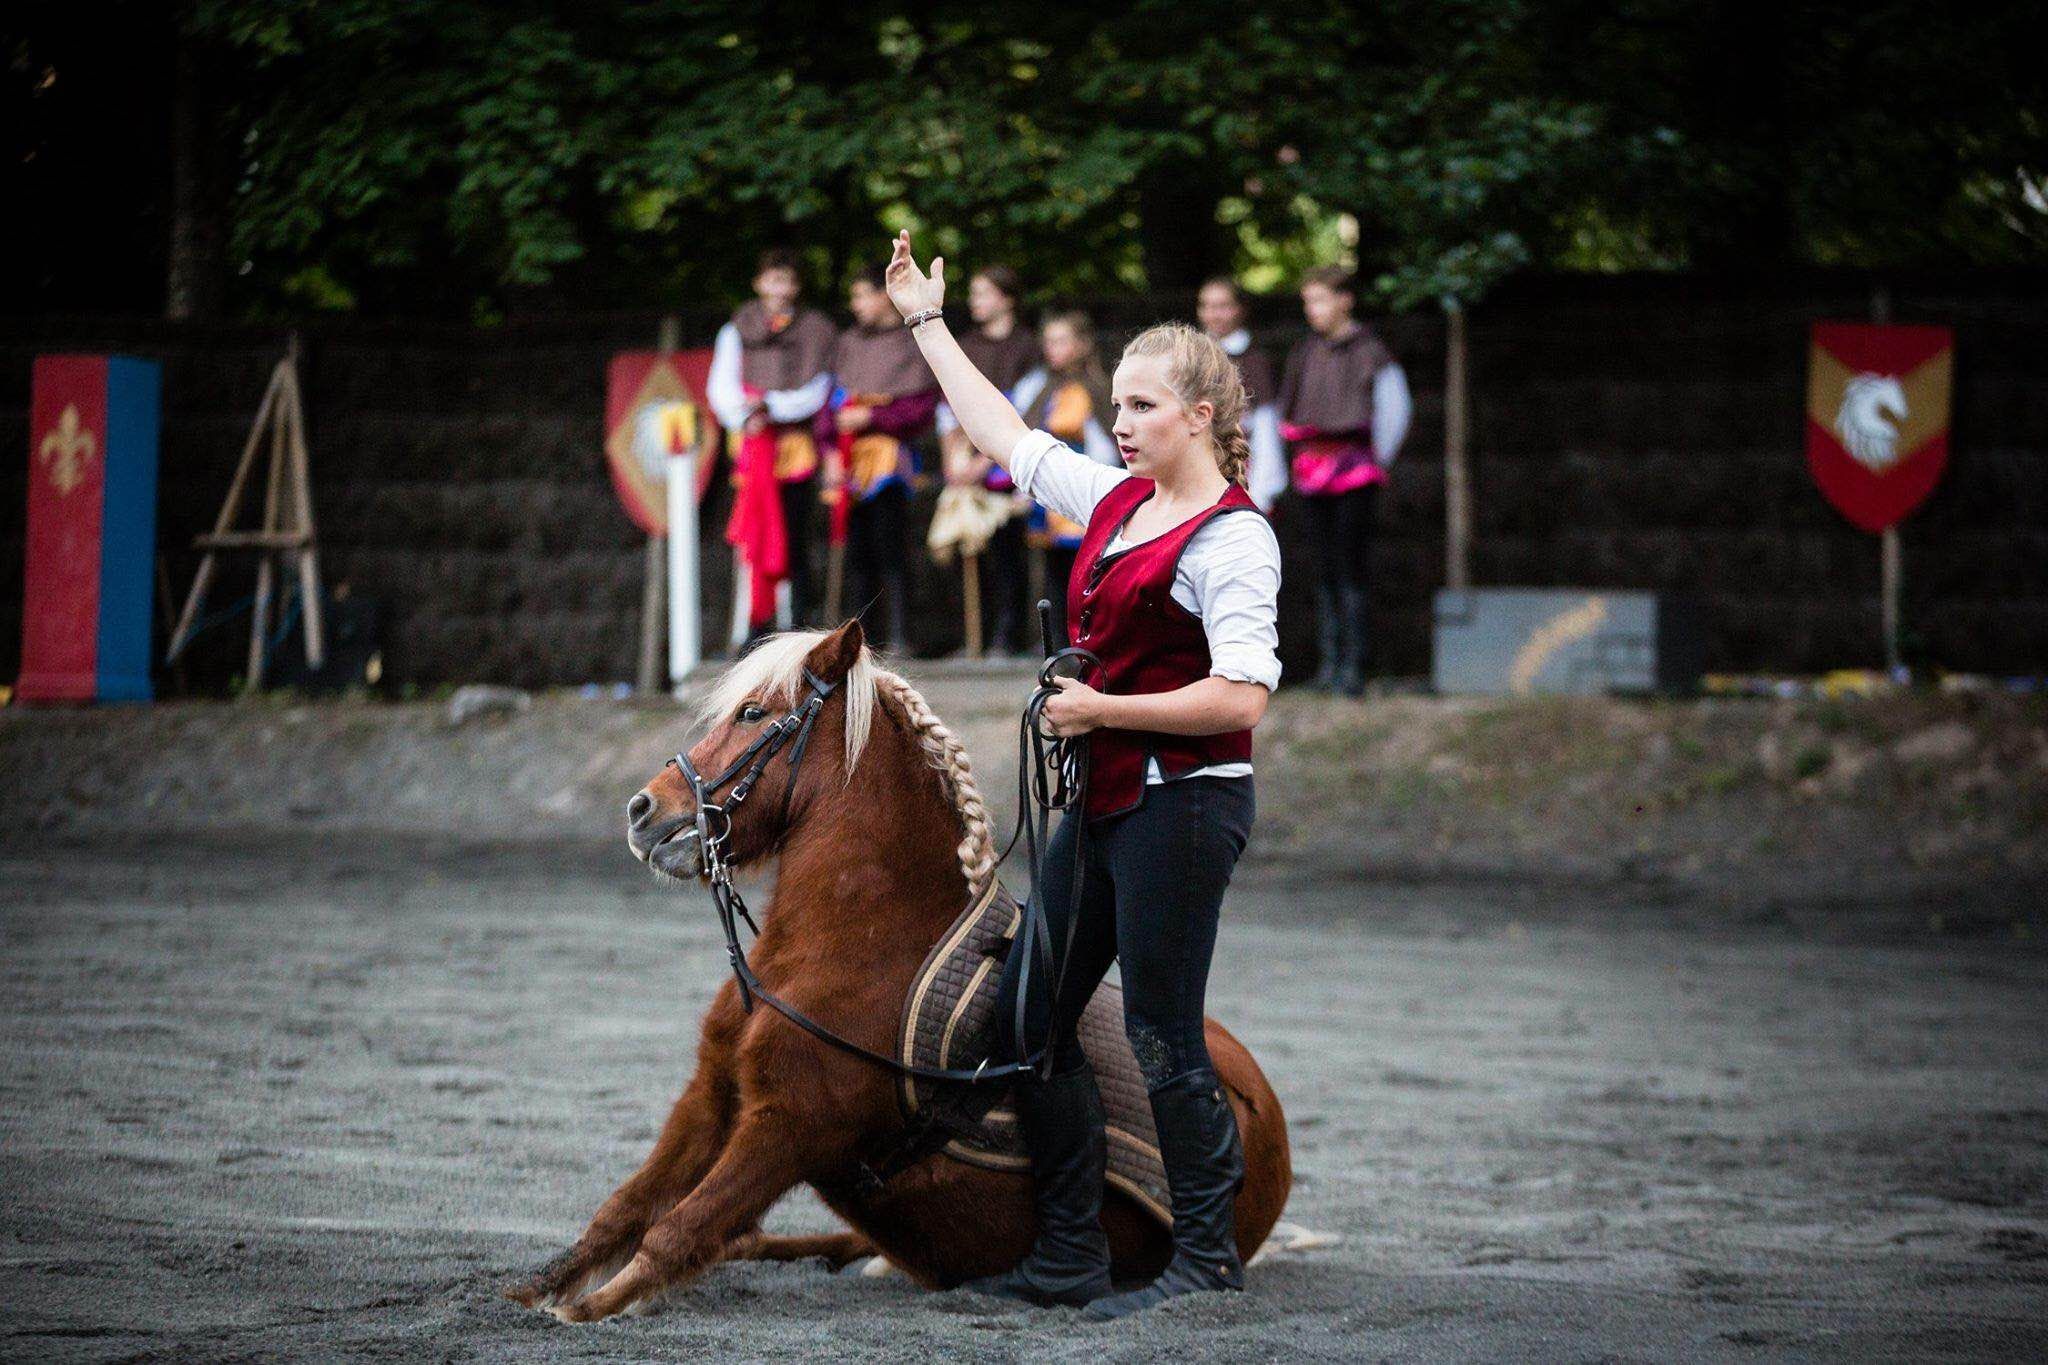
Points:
[(1123, 609)]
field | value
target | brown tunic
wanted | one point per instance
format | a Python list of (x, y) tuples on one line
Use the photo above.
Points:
[(883, 360), (787, 357), (1006, 361), (1328, 384), (1257, 373)]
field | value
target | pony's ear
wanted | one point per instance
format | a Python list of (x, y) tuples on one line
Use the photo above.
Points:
[(832, 658)]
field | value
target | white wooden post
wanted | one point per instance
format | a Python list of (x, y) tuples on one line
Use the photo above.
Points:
[(684, 648), (1891, 562)]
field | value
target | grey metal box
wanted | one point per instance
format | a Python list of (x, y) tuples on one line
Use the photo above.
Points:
[(1518, 641)]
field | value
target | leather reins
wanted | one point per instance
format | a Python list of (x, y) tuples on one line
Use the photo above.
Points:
[(1052, 775)]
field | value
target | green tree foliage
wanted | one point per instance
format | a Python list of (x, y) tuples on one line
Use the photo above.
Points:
[(459, 157), (1880, 133)]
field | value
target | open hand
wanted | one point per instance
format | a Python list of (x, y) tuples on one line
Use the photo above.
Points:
[(908, 287)]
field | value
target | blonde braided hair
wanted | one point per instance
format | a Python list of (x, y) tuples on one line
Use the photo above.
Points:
[(948, 757), (1200, 370)]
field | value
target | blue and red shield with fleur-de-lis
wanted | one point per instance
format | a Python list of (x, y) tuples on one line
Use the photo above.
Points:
[(89, 586)]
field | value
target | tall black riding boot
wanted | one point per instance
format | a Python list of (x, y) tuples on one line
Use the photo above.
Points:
[(1204, 1166), (1069, 1262), (1329, 638), (1357, 635)]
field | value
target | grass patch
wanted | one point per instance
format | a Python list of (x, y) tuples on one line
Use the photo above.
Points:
[(1722, 778), (1406, 789), (1544, 738)]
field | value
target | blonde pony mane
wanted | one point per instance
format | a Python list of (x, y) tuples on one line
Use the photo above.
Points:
[(772, 676)]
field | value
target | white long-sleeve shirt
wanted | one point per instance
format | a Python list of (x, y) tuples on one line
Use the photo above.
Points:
[(1392, 410), (727, 392), (1228, 576)]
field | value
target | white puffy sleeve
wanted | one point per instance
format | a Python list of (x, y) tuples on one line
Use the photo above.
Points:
[(722, 386), (1231, 569), (1054, 473), (1392, 409)]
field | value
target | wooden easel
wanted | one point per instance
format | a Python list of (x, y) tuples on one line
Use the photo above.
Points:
[(287, 529)]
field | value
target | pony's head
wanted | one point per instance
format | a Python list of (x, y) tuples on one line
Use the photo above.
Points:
[(759, 706)]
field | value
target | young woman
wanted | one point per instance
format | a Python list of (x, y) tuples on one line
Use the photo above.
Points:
[(1068, 396), (1175, 586)]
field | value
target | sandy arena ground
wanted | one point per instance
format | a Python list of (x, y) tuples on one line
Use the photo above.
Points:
[(321, 1096)]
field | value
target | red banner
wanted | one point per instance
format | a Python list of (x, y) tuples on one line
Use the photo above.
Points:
[(1877, 416), (67, 449), (654, 408)]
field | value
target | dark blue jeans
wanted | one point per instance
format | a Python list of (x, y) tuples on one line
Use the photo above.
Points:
[(1151, 891)]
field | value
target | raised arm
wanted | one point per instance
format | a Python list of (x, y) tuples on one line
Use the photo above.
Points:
[(980, 407)]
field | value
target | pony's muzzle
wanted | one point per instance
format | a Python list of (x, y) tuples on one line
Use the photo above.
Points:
[(648, 827)]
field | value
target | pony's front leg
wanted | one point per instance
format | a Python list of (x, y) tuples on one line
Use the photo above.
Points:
[(691, 1140), (837, 1249), (769, 1151)]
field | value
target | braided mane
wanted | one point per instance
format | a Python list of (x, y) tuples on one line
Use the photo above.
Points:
[(773, 673)]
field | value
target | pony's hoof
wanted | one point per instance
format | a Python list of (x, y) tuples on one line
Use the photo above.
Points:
[(560, 1281), (541, 1289)]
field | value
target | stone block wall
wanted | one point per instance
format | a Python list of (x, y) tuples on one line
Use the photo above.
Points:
[(1632, 432)]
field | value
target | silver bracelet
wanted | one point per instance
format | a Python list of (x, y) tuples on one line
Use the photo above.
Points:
[(924, 316)]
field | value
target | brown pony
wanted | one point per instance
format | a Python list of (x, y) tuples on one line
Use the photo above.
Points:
[(881, 837)]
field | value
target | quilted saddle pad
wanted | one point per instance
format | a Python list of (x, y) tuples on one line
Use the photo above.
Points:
[(949, 1021)]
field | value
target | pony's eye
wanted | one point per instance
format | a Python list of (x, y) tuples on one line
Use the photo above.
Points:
[(749, 713)]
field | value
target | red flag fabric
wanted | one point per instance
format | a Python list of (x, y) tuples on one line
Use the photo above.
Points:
[(756, 528), (67, 459), (842, 500)]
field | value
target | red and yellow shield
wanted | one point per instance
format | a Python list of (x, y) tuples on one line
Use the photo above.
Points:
[(655, 408), (1877, 405)]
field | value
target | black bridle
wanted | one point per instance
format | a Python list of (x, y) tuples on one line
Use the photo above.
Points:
[(1052, 775), (711, 842)]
